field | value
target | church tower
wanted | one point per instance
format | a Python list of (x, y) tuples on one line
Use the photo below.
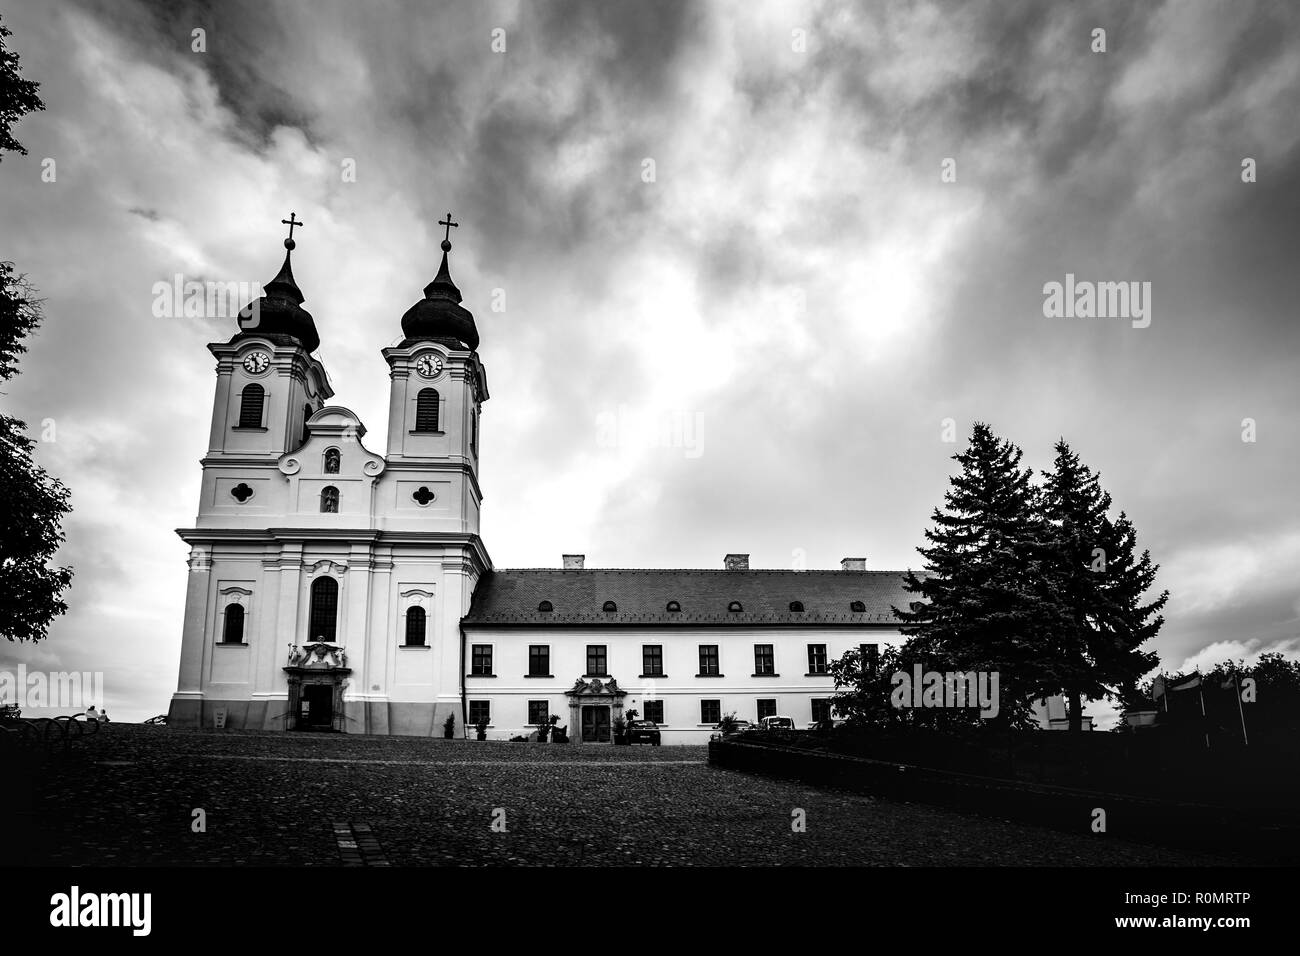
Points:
[(437, 389), (268, 383), (268, 386)]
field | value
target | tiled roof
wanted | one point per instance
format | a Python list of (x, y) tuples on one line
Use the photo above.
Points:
[(578, 596)]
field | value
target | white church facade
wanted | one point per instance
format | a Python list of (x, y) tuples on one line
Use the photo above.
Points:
[(333, 586)]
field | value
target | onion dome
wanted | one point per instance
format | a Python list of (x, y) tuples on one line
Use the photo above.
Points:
[(439, 316), (278, 314)]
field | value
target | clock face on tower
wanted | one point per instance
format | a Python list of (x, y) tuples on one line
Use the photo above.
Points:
[(257, 362), (428, 365)]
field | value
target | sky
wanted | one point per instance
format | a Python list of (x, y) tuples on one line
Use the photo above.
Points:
[(742, 272)]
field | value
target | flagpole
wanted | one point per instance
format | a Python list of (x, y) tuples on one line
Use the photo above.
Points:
[(1200, 690), (1237, 683)]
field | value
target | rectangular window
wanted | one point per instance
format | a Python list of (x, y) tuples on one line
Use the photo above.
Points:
[(821, 708), (480, 710), (538, 712), (817, 659), (652, 660), (764, 660), (654, 710), (596, 661), (539, 660), (766, 707), (481, 660), (709, 660), (710, 711)]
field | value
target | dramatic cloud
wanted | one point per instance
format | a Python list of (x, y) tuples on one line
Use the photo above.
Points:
[(754, 351)]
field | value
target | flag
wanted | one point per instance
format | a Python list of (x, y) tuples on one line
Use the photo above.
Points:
[(1188, 683)]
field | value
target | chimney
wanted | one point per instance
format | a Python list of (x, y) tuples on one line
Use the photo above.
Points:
[(736, 562), (853, 564), (574, 562)]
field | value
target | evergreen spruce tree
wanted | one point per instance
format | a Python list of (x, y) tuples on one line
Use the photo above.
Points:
[(985, 601), (1099, 583)]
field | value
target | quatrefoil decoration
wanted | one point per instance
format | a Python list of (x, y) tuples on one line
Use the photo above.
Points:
[(423, 495), (241, 492)]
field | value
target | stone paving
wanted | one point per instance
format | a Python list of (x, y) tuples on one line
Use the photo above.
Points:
[(129, 796)]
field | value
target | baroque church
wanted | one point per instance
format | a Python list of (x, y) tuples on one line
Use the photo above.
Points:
[(336, 587)]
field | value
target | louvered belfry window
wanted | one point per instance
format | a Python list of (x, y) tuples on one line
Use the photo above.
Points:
[(250, 406), (426, 410)]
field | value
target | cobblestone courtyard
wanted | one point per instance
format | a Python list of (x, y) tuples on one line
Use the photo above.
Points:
[(127, 796)]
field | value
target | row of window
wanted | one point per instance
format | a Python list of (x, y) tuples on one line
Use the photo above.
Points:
[(652, 660), (323, 617), (652, 710), (675, 607)]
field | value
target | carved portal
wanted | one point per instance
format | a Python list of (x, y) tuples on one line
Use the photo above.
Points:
[(594, 705), (317, 673)]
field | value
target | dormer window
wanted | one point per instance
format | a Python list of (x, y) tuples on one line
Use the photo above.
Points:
[(546, 607), (609, 606), (796, 606), (734, 607), (332, 461), (857, 607), (674, 607)]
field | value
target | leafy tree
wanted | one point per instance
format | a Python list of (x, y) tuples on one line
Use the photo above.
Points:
[(864, 698), (1100, 584), (985, 596), (1275, 711), (33, 503), (18, 96)]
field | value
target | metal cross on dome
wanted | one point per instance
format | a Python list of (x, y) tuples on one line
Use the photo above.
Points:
[(291, 222), (444, 222)]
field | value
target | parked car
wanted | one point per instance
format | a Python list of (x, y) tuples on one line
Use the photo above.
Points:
[(835, 722), (643, 732), (740, 726), (776, 723)]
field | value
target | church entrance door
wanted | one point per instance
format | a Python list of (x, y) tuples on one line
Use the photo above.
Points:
[(595, 725), (318, 701)]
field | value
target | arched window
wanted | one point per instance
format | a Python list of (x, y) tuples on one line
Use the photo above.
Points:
[(473, 432), (332, 460), (857, 607), (323, 619), (306, 414), (426, 410), (415, 627), (329, 500), (250, 406), (234, 630)]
